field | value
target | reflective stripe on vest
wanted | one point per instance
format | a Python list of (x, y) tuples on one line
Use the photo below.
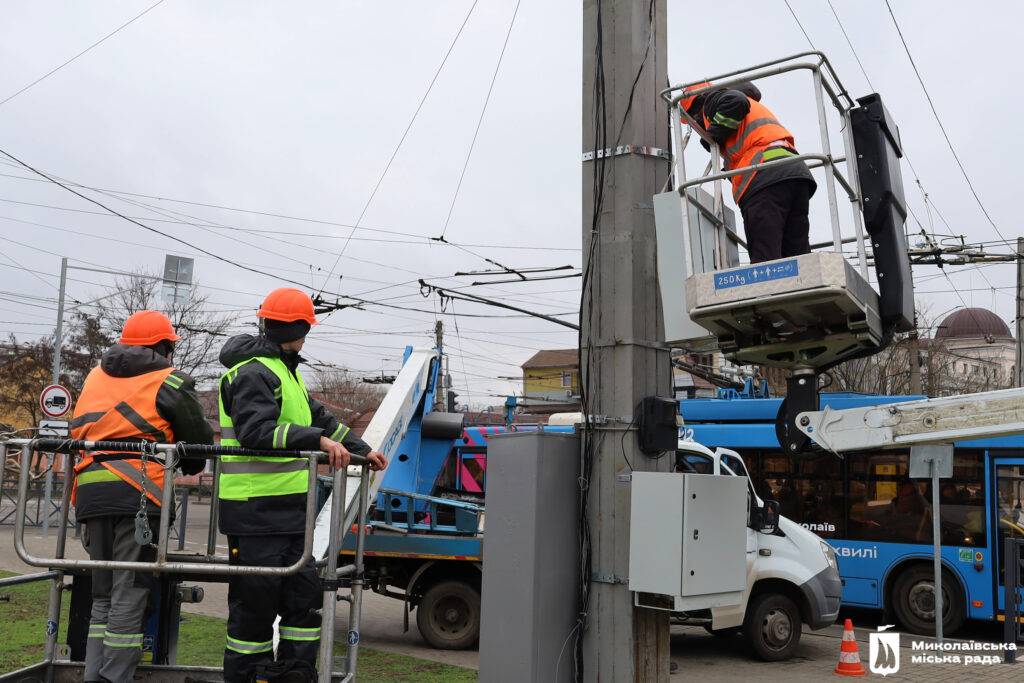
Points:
[(113, 408), (761, 157), (125, 471), (121, 407), (264, 466), (757, 131), (243, 477)]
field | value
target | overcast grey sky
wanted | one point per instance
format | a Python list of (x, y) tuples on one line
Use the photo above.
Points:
[(295, 109)]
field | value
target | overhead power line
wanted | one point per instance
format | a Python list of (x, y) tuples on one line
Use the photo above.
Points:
[(401, 140), (938, 120), (214, 255), (480, 121), (414, 238), (97, 43)]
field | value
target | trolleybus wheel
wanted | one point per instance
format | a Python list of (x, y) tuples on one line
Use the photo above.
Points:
[(913, 601)]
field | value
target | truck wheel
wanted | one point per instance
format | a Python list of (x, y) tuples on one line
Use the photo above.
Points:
[(913, 601), (448, 616), (772, 627)]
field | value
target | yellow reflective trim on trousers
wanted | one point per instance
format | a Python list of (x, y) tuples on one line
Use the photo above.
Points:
[(296, 633), (122, 639), (94, 476), (248, 648), (97, 630)]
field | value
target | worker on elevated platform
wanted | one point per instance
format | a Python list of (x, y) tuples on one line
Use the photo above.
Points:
[(773, 201), (133, 395), (264, 404)]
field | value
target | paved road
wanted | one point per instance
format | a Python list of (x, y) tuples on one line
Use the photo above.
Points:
[(697, 653)]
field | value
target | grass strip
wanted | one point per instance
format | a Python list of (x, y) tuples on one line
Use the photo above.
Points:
[(200, 642)]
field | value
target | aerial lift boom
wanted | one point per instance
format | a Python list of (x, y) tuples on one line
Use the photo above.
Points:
[(407, 405), (913, 423)]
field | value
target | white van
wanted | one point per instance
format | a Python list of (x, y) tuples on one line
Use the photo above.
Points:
[(792, 575)]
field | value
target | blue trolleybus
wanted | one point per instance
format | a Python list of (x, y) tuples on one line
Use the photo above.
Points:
[(877, 518)]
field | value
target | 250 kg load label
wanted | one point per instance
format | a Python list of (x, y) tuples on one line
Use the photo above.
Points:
[(755, 274)]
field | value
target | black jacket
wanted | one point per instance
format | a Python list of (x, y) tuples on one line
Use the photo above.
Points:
[(179, 406), (249, 400)]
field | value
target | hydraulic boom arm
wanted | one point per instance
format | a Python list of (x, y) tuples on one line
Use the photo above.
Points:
[(384, 434), (934, 420)]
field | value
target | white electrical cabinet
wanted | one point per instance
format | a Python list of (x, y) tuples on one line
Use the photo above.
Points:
[(687, 542), (672, 255)]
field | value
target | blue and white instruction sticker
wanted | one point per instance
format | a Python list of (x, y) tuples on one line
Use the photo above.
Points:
[(353, 637), (755, 274)]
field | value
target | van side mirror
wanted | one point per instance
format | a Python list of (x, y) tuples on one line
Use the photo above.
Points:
[(770, 517)]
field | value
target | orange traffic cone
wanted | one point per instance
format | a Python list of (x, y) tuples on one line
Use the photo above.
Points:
[(849, 657)]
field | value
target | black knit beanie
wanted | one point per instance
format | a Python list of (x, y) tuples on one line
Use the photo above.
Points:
[(283, 332)]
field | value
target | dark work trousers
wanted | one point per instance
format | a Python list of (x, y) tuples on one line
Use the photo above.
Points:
[(254, 602), (119, 598), (775, 220)]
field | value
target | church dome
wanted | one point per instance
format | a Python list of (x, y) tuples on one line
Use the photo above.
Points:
[(973, 323)]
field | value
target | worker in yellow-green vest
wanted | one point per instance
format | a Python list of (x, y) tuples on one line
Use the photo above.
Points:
[(264, 404)]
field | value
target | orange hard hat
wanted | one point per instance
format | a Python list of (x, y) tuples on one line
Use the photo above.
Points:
[(687, 102), (288, 304), (147, 327)]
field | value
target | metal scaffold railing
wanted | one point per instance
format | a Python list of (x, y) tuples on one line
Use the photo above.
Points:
[(826, 84), (206, 565)]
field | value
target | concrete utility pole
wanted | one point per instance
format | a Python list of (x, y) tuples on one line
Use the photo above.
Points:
[(58, 333), (623, 359)]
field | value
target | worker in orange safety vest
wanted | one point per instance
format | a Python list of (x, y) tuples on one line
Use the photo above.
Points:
[(134, 394), (773, 201)]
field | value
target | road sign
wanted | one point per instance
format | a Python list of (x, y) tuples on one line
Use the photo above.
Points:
[(55, 401), (54, 428)]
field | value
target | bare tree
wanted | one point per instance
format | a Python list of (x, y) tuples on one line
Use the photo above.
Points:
[(348, 391), (202, 331), (888, 372)]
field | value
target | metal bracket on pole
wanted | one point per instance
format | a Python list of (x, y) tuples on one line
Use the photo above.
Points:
[(608, 578), (642, 150)]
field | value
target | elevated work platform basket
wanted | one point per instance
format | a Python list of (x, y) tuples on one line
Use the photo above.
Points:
[(808, 310), (803, 312)]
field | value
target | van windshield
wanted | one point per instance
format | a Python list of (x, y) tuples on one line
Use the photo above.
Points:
[(694, 463), (734, 464)]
